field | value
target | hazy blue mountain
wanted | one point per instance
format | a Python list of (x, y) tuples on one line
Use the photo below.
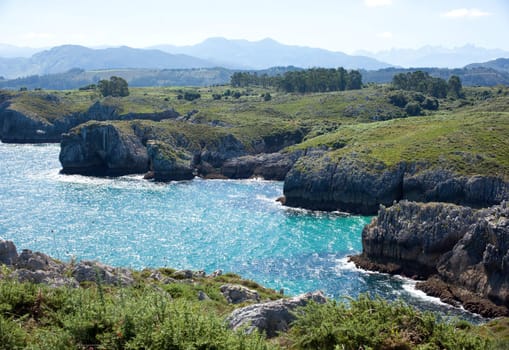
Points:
[(436, 56), (62, 58), (500, 64), (10, 51), (269, 53)]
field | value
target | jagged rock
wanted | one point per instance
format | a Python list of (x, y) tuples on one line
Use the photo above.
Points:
[(271, 317), (217, 151), (415, 235), (203, 296), (272, 166), (443, 186), (236, 294), (199, 274), (102, 149), (51, 278), (216, 273), (317, 182), (91, 271), (466, 249), (38, 261), (183, 274), (8, 253), (167, 164)]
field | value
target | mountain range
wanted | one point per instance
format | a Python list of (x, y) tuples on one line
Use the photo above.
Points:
[(437, 56), (235, 54), (230, 54)]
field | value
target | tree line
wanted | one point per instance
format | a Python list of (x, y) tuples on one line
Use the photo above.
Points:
[(303, 81), (422, 82)]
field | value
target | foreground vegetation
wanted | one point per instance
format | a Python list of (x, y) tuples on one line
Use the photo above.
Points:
[(153, 315)]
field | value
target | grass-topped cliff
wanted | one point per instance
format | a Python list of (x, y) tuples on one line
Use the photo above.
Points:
[(367, 141)]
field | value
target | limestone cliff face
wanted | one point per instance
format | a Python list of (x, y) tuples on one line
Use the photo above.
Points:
[(272, 166), (316, 182), (358, 186), (19, 127), (102, 149), (16, 127), (464, 251), (168, 165)]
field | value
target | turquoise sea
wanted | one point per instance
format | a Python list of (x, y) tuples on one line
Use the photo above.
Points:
[(231, 225)]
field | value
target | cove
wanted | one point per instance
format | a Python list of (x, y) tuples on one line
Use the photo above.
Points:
[(236, 226)]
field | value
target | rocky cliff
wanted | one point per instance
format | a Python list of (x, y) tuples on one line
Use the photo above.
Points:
[(462, 253), (24, 126), (170, 150), (102, 149), (355, 185)]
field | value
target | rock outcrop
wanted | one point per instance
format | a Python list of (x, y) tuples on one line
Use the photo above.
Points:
[(351, 184), (270, 166), (319, 183), (102, 149), (464, 251), (29, 127), (236, 294), (273, 316), (168, 165)]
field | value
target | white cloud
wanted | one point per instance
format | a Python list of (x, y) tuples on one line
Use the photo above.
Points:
[(377, 3), (465, 13), (384, 35)]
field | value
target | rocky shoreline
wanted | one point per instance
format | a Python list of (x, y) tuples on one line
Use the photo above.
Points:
[(268, 316), (460, 254)]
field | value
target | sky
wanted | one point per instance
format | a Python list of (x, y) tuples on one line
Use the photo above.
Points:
[(338, 25)]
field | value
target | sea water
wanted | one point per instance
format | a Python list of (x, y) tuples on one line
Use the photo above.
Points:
[(236, 226)]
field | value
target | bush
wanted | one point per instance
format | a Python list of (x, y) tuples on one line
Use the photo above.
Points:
[(191, 96), (216, 96), (267, 97), (430, 103), (369, 323), (413, 109), (11, 335), (398, 99)]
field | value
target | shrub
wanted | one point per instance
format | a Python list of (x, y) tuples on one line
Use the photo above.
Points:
[(191, 96), (369, 323), (413, 109), (430, 103), (398, 99)]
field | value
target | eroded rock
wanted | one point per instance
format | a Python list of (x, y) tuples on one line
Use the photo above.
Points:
[(271, 317), (236, 294)]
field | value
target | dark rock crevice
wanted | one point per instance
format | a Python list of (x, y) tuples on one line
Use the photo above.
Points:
[(461, 253)]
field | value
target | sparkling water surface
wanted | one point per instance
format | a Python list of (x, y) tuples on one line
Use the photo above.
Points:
[(231, 225)]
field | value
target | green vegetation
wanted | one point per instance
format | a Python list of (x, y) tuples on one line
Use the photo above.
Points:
[(422, 82), (302, 81), (154, 315), (116, 87), (377, 324)]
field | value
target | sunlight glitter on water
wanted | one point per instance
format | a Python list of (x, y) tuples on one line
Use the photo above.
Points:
[(200, 224)]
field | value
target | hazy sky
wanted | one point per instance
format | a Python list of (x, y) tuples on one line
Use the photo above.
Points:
[(337, 25)]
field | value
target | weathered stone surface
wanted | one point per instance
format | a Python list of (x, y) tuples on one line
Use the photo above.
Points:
[(38, 261), (51, 278), (466, 250), (166, 164), (102, 149), (8, 253), (350, 184), (316, 182), (236, 294), (91, 271), (20, 127), (271, 166), (271, 317)]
